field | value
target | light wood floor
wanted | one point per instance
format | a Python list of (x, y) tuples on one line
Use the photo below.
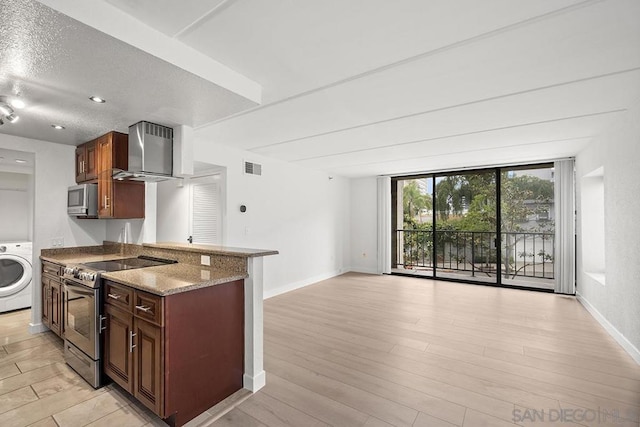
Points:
[(361, 350)]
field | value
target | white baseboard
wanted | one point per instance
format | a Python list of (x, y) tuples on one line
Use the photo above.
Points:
[(300, 284), (254, 383), (36, 328), (621, 339), (365, 270)]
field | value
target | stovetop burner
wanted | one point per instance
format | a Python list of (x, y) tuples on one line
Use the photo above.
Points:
[(88, 274), (125, 264)]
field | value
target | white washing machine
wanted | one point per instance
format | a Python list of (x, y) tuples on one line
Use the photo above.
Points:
[(16, 273)]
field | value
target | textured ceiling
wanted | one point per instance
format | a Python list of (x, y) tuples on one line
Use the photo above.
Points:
[(370, 87), (54, 63)]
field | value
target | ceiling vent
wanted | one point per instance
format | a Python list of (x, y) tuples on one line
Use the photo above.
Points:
[(252, 168)]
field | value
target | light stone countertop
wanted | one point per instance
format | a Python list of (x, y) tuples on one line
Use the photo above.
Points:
[(213, 249), (172, 278), (80, 258)]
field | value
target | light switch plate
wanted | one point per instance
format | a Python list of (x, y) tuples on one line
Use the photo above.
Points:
[(205, 260)]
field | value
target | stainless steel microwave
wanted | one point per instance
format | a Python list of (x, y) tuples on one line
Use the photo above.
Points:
[(82, 200)]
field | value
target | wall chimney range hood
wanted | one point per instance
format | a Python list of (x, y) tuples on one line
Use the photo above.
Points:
[(150, 154)]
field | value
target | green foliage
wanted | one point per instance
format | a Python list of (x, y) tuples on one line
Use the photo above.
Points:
[(413, 202), (468, 203)]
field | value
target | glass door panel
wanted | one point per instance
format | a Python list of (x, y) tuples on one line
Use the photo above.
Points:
[(413, 232), (528, 226), (465, 226)]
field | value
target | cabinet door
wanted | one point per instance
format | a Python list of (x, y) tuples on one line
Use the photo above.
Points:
[(118, 348), (128, 199), (105, 181), (55, 307), (149, 379), (80, 164), (46, 302), (90, 162)]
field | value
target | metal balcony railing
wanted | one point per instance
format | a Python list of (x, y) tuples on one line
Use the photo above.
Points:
[(524, 254)]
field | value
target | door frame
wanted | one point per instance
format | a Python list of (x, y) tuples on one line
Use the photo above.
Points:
[(497, 170)]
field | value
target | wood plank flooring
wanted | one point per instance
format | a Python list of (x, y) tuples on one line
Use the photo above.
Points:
[(363, 350)]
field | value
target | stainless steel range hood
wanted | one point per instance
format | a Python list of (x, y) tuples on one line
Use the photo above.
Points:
[(150, 154)]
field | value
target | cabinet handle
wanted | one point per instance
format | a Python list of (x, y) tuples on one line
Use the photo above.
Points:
[(102, 325), (131, 344), (144, 308), (106, 202), (84, 166), (114, 296)]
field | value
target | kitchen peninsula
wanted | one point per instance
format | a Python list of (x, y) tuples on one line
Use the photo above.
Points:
[(175, 331)]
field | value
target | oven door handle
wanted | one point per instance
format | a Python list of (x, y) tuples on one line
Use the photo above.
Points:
[(80, 289)]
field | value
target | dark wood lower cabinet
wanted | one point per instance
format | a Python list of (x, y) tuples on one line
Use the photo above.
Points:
[(149, 376), (180, 354), (56, 308), (118, 357), (52, 298)]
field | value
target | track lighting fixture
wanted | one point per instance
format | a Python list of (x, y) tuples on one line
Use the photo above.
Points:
[(6, 113)]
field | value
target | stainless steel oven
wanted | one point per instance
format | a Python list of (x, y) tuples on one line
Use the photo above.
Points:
[(84, 320), (83, 325)]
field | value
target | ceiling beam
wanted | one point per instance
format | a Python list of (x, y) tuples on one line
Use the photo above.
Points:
[(116, 23)]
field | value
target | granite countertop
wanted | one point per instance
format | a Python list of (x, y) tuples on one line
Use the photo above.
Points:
[(172, 278), (80, 258), (214, 249)]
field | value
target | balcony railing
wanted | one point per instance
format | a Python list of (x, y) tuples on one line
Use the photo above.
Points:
[(524, 254)]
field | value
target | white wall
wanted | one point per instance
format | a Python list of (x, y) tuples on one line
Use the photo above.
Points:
[(15, 206), (54, 172), (364, 227), (173, 211), (618, 300), (299, 212)]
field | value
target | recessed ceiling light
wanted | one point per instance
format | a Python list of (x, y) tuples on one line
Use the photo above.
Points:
[(97, 99), (17, 103), (5, 109), (20, 161), (59, 127), (12, 118)]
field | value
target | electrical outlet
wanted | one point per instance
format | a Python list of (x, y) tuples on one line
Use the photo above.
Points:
[(205, 260)]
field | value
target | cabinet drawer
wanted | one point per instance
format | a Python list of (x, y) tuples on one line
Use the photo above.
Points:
[(50, 268), (148, 307), (118, 295)]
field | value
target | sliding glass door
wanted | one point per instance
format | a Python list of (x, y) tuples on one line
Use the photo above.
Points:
[(528, 226), (413, 219), (492, 226), (465, 226)]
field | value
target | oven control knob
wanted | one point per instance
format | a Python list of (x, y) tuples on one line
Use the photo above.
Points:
[(69, 271), (91, 276)]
